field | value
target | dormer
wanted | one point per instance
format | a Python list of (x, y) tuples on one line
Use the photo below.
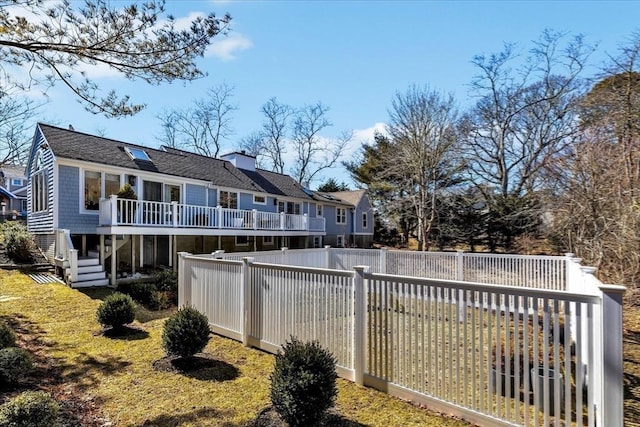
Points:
[(241, 160)]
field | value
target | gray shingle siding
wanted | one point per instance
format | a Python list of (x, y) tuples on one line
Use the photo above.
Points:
[(68, 203)]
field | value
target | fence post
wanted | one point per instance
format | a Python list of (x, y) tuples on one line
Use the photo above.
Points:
[(460, 266), (360, 309), (327, 249), (254, 214), (383, 261), (184, 288), (73, 264), (609, 409), (246, 299)]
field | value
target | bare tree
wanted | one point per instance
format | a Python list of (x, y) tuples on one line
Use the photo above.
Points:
[(202, 127), (523, 117), (52, 41), (274, 133), (16, 114), (422, 128), (313, 153)]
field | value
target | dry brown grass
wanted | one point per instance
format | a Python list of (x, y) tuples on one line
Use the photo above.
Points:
[(117, 374)]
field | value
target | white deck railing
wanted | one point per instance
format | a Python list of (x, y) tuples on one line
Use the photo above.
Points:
[(408, 336), (144, 213)]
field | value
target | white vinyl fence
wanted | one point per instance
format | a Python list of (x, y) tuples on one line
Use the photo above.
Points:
[(450, 344), (542, 272)]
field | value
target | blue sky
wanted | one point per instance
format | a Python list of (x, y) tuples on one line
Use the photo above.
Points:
[(350, 55)]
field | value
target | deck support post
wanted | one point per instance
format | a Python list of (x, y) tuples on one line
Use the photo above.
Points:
[(133, 254), (102, 258), (141, 251), (170, 250), (113, 260)]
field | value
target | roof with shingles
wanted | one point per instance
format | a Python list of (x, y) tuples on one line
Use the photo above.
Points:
[(75, 145), (352, 197)]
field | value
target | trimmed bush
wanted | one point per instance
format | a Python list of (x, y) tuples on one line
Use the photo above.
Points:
[(7, 336), (160, 300), (18, 242), (142, 292), (30, 409), (15, 364), (303, 383), (166, 280), (185, 333), (116, 310)]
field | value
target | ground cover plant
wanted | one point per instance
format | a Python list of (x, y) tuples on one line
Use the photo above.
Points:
[(113, 380)]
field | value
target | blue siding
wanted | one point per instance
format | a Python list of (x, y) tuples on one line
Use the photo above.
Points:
[(40, 222), (195, 195), (329, 212), (68, 203), (213, 197), (246, 201), (364, 206)]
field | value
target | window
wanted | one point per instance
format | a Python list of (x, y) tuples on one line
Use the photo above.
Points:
[(16, 181), (267, 240), (229, 199), (289, 207), (318, 211), (340, 240), (259, 200), (39, 186), (242, 241), (365, 220), (111, 184), (341, 215), (317, 241), (98, 185), (92, 190), (23, 205), (39, 191), (137, 154)]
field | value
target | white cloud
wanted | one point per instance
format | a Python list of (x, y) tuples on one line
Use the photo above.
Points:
[(227, 47), (361, 136)]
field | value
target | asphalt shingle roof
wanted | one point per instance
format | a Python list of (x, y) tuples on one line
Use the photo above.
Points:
[(75, 145)]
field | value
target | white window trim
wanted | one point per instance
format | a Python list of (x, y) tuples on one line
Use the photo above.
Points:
[(340, 240), (242, 244), (259, 203), (319, 211), (365, 220), (16, 181), (266, 243), (341, 217), (103, 175)]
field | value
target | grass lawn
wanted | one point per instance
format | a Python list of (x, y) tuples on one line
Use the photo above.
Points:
[(117, 377)]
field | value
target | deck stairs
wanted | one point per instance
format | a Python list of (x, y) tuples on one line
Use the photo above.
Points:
[(90, 273)]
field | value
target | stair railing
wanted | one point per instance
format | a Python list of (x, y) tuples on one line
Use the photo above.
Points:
[(66, 252)]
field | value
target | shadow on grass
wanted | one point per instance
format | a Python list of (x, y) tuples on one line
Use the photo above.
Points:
[(99, 293), (126, 333), (269, 417), (166, 420), (85, 370), (631, 403), (201, 367)]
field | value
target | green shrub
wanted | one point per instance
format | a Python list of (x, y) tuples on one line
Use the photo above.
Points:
[(303, 383), (116, 310), (142, 292), (185, 333), (166, 280), (159, 300), (15, 364), (30, 409), (7, 336), (18, 242)]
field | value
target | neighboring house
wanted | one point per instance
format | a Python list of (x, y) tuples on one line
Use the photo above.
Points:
[(185, 202), (360, 222), (13, 191)]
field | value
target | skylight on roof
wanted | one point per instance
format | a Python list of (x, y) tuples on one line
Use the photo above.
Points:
[(137, 154), (329, 197)]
